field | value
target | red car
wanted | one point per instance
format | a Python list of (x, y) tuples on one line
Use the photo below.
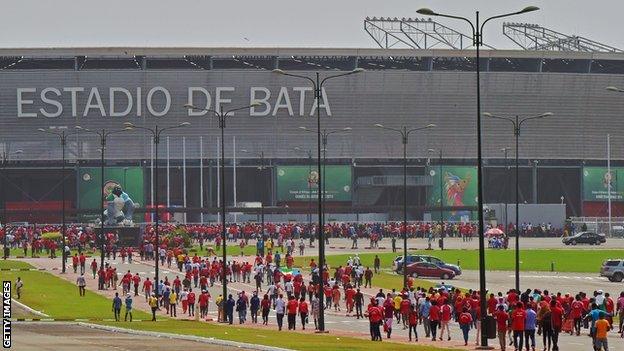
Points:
[(426, 269)]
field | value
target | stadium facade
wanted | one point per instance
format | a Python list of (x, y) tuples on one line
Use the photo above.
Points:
[(104, 87)]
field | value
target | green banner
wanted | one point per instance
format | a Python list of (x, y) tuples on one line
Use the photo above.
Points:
[(456, 187), (89, 186), (300, 183), (596, 183)]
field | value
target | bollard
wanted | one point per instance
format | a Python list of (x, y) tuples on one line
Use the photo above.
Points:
[(458, 265), (552, 266)]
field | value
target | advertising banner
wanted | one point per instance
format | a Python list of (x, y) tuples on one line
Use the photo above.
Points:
[(300, 183), (89, 182), (458, 187), (596, 183)]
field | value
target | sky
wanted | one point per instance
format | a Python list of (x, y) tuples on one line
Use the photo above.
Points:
[(273, 23)]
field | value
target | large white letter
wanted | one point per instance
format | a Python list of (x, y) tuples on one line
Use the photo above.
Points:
[(21, 101), (73, 91), (139, 101), (111, 101), (46, 100), (94, 94), (302, 95), (219, 100), (150, 108), (324, 105), (191, 94), (283, 95), (264, 101)]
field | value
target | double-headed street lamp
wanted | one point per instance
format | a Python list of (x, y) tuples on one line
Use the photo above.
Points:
[(441, 197), (261, 168), (156, 132), (222, 117), (477, 40), (325, 133), (103, 135), (517, 123), (4, 159), (405, 132), (317, 85), (62, 135), (308, 152)]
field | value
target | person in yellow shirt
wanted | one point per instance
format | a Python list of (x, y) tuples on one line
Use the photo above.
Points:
[(173, 299), (153, 303), (269, 245), (602, 327), (397, 306), (219, 303)]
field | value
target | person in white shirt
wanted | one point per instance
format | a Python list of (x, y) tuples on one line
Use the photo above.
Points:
[(280, 309)]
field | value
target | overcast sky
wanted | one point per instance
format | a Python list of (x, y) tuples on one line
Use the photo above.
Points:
[(272, 23)]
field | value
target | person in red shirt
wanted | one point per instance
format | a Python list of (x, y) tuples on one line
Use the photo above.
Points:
[(518, 318), (375, 317), (491, 304), (291, 309), (94, 269), (147, 288), (349, 295), (556, 316), (191, 303), (75, 263), (404, 309), (446, 312), (576, 313), (465, 322), (303, 312), (413, 321), (136, 280), (82, 260), (502, 320), (434, 319), (204, 297)]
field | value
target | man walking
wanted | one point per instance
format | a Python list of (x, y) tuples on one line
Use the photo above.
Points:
[(280, 309), (80, 281), (116, 306), (128, 304)]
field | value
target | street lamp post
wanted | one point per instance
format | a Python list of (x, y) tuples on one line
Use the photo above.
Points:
[(261, 168), (324, 137), (317, 85), (103, 135), (309, 153), (404, 139), (441, 197), (62, 135), (156, 132), (505, 150), (517, 124), (477, 40), (222, 117), (4, 160)]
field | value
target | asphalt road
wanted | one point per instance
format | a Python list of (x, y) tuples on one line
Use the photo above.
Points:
[(66, 337)]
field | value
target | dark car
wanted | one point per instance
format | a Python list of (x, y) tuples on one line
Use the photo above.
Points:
[(426, 269), (398, 263), (585, 238)]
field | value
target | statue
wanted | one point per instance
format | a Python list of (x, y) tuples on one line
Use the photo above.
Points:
[(120, 208)]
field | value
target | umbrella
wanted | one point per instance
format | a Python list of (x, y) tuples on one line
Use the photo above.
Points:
[(494, 232)]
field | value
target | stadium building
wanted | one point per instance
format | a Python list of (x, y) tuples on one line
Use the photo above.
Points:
[(562, 157)]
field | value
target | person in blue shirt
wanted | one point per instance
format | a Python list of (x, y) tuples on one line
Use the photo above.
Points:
[(116, 306), (278, 259), (229, 309), (260, 247), (423, 312), (254, 306), (128, 303), (529, 326), (241, 307)]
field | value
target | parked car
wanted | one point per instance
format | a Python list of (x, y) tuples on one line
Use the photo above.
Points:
[(397, 265), (585, 238), (613, 269), (426, 269)]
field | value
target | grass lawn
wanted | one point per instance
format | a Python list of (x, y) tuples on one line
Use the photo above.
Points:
[(295, 341), (586, 261), (8, 264), (58, 298)]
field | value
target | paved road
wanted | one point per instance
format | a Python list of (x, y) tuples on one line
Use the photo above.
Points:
[(66, 337)]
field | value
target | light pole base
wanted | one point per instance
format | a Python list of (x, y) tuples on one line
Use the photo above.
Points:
[(321, 332)]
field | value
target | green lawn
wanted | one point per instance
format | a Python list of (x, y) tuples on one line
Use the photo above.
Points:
[(58, 298), (8, 264), (285, 339), (586, 261)]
